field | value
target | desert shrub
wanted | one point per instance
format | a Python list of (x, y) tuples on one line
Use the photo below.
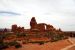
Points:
[(24, 42), (18, 45), (40, 43), (3, 45), (57, 37), (13, 43), (20, 34)]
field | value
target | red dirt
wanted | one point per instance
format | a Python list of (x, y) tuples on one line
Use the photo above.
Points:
[(47, 46)]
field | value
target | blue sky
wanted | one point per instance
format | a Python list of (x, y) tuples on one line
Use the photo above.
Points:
[(59, 13)]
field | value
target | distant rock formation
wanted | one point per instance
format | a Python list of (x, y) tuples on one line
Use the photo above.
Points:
[(40, 26), (33, 23), (14, 28), (17, 29), (36, 27)]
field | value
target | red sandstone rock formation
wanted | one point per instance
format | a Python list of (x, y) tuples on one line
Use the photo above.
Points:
[(33, 23), (16, 29), (50, 28), (41, 26)]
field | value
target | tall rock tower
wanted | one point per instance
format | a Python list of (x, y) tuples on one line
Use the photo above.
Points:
[(33, 23), (14, 28)]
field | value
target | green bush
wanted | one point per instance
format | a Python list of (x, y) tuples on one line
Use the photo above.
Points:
[(13, 43), (57, 37), (3, 45), (40, 43), (18, 45)]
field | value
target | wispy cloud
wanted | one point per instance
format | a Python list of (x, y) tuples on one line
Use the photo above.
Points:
[(8, 13)]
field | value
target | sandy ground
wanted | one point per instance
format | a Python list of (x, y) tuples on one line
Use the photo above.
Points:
[(73, 41), (70, 47), (47, 46)]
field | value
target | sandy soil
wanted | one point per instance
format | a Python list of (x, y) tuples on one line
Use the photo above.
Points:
[(73, 41), (72, 48), (47, 46)]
